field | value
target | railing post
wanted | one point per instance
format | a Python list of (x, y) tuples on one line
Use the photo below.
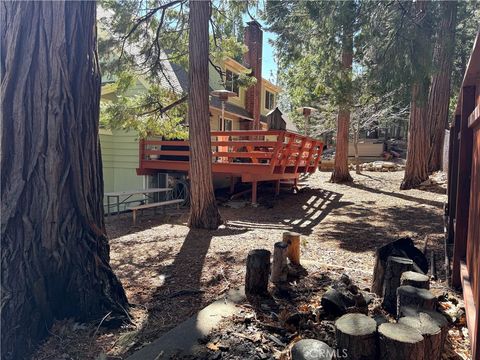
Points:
[(141, 151)]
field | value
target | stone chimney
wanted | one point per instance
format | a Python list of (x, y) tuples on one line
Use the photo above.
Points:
[(253, 38)]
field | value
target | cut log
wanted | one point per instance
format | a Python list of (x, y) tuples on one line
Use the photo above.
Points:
[(396, 266), (292, 239), (400, 342), (258, 271), (311, 349), (402, 248), (345, 297), (431, 332), (415, 279), (279, 263), (416, 298), (439, 319), (356, 336)]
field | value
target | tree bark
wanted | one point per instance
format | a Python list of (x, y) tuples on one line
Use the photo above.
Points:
[(416, 167), (439, 95), (203, 207), (340, 172), (55, 253)]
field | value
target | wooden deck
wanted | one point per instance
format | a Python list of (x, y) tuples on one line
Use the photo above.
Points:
[(251, 156)]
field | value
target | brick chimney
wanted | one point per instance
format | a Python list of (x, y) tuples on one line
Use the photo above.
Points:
[(253, 38)]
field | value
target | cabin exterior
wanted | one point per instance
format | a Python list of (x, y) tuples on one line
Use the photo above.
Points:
[(463, 207)]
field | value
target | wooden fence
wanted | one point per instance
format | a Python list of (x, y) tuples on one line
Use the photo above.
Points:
[(463, 207)]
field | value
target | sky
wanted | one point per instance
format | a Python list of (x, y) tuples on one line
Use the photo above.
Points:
[(269, 65)]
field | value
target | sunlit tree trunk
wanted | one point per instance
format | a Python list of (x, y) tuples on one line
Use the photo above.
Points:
[(203, 207), (439, 96), (55, 253), (416, 167), (340, 170)]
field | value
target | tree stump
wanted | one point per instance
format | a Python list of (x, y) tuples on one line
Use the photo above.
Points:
[(403, 248), (311, 349), (292, 239), (438, 318), (279, 263), (432, 334), (400, 342), (415, 279), (416, 298), (396, 266), (356, 336), (258, 271)]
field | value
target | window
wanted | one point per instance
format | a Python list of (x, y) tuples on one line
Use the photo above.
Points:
[(269, 100), (232, 82), (227, 124)]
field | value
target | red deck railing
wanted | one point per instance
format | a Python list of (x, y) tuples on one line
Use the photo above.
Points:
[(253, 155)]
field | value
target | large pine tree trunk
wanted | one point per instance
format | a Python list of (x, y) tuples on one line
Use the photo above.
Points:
[(203, 208), (340, 172), (55, 253), (416, 168), (438, 99)]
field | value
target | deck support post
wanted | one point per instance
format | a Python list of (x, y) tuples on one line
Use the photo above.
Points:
[(277, 187), (232, 185), (254, 192)]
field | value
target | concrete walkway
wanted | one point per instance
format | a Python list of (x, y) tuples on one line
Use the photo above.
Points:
[(183, 339)]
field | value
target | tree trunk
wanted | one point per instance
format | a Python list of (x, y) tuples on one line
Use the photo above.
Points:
[(292, 239), (258, 272), (340, 172), (416, 167), (396, 266), (55, 253), (438, 98), (356, 336), (355, 146), (431, 332), (203, 207), (400, 342), (279, 263)]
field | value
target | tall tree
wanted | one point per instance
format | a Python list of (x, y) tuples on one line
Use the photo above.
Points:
[(55, 253), (416, 167), (341, 172), (439, 95), (203, 207), (317, 69)]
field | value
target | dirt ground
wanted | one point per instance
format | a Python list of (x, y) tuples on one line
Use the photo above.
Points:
[(169, 272)]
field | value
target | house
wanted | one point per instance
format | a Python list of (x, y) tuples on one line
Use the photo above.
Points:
[(245, 111)]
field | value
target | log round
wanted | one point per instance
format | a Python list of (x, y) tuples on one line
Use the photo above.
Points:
[(292, 239), (416, 298), (356, 336), (415, 279), (438, 318), (258, 271), (279, 263), (400, 342), (396, 266), (432, 334)]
